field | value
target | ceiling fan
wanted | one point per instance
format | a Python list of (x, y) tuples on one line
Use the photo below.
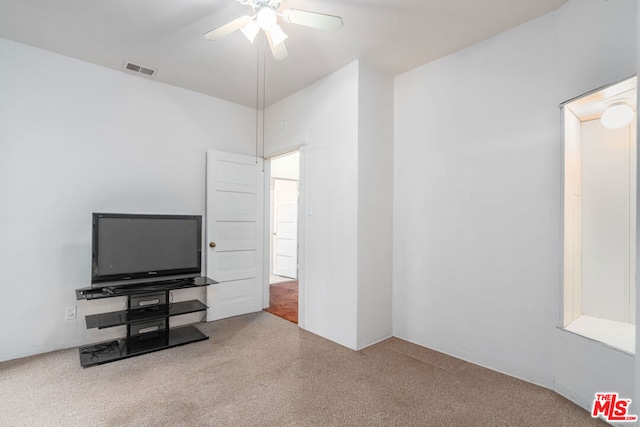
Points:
[(266, 18)]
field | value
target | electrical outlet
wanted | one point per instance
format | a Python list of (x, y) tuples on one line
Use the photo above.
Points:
[(70, 312)]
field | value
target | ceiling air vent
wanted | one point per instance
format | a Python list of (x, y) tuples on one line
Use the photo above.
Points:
[(139, 69)]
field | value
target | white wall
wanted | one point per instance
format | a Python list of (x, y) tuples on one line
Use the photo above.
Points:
[(572, 226), (375, 204), (606, 230), (477, 185), (76, 138), (584, 367), (324, 116), (636, 399), (476, 203), (346, 122)]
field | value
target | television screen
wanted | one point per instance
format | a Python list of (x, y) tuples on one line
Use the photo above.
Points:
[(134, 248)]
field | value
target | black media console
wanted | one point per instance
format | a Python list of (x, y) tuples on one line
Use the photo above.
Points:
[(146, 317)]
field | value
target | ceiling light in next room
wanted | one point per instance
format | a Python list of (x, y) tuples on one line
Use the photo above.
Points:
[(617, 115)]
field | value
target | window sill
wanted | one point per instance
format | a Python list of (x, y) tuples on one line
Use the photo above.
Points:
[(619, 335)]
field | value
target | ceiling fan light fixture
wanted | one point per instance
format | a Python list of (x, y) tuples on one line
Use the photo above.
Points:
[(617, 115), (267, 18), (250, 30), (277, 35)]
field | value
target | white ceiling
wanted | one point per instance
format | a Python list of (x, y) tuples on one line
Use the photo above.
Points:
[(396, 35)]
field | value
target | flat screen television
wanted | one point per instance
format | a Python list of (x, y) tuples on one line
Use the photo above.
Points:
[(129, 249)]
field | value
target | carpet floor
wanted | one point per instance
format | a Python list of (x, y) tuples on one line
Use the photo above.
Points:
[(259, 370), (283, 300)]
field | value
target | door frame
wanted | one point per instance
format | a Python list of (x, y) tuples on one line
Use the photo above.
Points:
[(301, 228)]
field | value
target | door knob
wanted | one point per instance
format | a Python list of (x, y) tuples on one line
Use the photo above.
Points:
[(212, 244)]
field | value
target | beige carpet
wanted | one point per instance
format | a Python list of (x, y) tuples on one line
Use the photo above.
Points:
[(260, 370)]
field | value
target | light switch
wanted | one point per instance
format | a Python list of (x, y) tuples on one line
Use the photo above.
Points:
[(309, 210)]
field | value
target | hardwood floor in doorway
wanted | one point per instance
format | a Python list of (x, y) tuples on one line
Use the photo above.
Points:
[(283, 300)]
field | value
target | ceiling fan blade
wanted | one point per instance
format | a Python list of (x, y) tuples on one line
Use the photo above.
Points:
[(312, 19), (228, 28), (279, 51)]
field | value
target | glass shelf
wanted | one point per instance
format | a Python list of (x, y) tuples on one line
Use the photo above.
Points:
[(158, 311), (98, 291), (136, 345)]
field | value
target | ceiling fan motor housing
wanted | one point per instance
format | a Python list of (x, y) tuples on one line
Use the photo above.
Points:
[(258, 4)]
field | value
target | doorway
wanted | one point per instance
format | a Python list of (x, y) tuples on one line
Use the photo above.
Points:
[(284, 186)]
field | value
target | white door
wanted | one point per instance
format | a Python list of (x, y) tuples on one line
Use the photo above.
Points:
[(285, 228), (234, 227)]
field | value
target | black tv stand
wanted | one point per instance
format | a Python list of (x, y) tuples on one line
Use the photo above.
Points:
[(146, 317)]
